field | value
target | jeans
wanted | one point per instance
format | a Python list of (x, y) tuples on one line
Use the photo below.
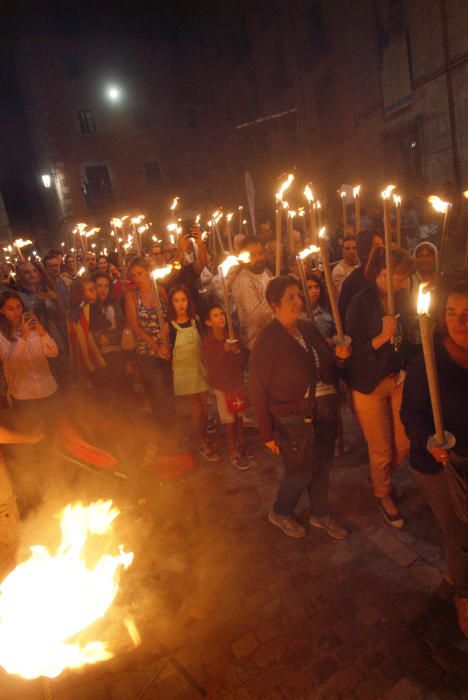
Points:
[(436, 492), (156, 377), (378, 414), (307, 454)]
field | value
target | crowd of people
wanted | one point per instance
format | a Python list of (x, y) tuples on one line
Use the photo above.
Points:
[(113, 326)]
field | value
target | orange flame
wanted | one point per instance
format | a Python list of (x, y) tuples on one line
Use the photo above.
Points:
[(50, 599)]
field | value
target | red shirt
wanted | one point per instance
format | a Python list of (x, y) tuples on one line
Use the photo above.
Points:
[(224, 369)]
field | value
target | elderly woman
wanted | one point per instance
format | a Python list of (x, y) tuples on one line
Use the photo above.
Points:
[(442, 475), (292, 383)]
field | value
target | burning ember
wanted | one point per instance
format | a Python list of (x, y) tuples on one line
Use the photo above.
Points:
[(48, 600)]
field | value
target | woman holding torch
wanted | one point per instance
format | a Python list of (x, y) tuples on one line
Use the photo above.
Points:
[(152, 349), (292, 386), (442, 474), (376, 371)]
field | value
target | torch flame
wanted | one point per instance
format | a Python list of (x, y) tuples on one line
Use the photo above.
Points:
[(197, 219), (342, 194), (283, 187), (137, 219), (397, 200), (388, 191), (80, 228), (323, 232), (465, 194), (317, 204), (308, 251), (424, 299), (308, 193), (81, 271), (175, 203), (292, 213), (19, 243), (160, 272), (117, 223), (142, 229), (48, 600), (356, 191), (229, 216), (438, 204), (231, 261)]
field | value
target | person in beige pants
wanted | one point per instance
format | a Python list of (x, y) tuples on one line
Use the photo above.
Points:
[(378, 414), (377, 370)]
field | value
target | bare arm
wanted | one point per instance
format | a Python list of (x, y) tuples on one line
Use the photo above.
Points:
[(202, 258), (12, 437), (132, 319)]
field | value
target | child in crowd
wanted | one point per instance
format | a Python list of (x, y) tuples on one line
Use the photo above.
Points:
[(189, 371), (226, 378), (85, 355)]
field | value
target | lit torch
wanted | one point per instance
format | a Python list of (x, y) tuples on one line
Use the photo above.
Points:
[(228, 231), (300, 257), (279, 219), (290, 229), (342, 194), (340, 338), (442, 208), (397, 202), (357, 206), (19, 244), (312, 222), (223, 269), (160, 273), (442, 438), (388, 248), (318, 211), (465, 194), (216, 217), (135, 220)]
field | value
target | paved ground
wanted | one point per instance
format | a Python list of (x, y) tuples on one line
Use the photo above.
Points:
[(230, 608)]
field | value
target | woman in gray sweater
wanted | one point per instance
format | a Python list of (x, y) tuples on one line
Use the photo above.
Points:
[(292, 386)]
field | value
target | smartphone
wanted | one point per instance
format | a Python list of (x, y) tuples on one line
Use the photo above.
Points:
[(27, 316)]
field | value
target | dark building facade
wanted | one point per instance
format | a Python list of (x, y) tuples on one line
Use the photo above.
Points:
[(368, 91)]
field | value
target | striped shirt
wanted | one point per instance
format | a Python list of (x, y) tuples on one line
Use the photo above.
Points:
[(321, 388), (253, 309), (27, 371)]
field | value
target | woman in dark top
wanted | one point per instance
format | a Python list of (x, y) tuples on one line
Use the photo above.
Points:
[(292, 386), (376, 371), (443, 475)]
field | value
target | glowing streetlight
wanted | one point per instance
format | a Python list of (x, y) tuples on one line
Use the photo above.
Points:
[(114, 93)]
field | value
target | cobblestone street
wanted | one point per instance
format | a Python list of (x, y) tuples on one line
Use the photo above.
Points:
[(265, 616)]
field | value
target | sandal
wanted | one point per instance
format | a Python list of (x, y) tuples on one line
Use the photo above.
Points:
[(209, 453)]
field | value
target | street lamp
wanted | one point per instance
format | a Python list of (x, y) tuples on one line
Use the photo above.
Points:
[(114, 93), (46, 181)]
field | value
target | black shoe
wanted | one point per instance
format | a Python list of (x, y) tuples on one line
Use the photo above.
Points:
[(394, 520)]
